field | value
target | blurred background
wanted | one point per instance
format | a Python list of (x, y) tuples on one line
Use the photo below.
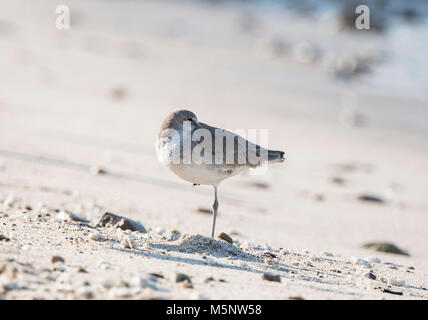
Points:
[(80, 109)]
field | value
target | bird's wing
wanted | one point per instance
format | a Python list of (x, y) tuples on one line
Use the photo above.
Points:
[(231, 148)]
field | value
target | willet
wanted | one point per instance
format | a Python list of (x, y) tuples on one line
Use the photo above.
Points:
[(221, 154)]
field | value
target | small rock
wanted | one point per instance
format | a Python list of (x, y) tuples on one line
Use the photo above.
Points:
[(411, 268), (156, 275), (209, 279), (95, 171), (82, 270), (3, 238), (296, 298), (204, 210), (271, 277), (399, 293), (118, 94), (225, 237), (85, 292), (268, 254), (109, 219), (97, 237), (338, 180), (261, 185), (370, 275), (385, 247), (319, 197), (180, 277), (371, 198), (55, 259)]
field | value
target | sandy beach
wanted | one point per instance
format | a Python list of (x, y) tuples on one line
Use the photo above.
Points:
[(79, 114)]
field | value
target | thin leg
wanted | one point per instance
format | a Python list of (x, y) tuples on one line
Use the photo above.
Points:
[(215, 207)]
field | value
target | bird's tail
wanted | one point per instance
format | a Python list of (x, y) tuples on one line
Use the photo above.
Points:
[(275, 156)]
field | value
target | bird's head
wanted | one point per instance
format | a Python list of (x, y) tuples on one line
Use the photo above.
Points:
[(176, 119)]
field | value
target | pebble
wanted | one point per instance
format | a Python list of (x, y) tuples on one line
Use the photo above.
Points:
[(97, 237), (204, 210), (268, 254), (85, 292), (95, 171), (370, 198), (271, 277), (370, 275), (118, 93), (156, 275), (225, 237), (82, 270), (209, 279), (385, 247), (55, 259), (180, 277), (338, 180), (3, 238), (109, 219), (399, 293)]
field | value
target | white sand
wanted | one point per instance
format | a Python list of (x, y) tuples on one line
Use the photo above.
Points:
[(59, 117)]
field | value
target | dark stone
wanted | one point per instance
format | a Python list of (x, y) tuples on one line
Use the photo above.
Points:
[(181, 277), (3, 238), (112, 220), (56, 259), (271, 277), (399, 293), (385, 247), (370, 198)]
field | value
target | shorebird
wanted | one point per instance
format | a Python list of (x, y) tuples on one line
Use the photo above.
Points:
[(207, 161)]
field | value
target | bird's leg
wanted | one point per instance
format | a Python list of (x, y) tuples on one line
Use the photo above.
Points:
[(215, 207)]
